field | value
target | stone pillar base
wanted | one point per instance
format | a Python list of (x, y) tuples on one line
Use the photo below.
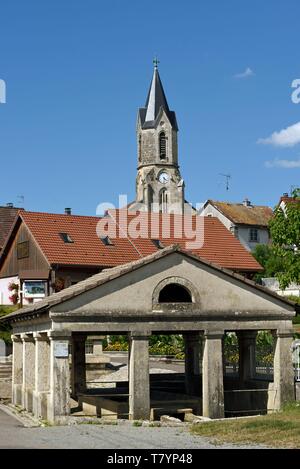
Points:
[(17, 394), (40, 404), (27, 401)]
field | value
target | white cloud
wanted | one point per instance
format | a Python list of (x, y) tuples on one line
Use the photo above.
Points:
[(247, 73), (288, 137), (287, 164)]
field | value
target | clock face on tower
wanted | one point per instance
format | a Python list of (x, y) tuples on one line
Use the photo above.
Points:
[(163, 178)]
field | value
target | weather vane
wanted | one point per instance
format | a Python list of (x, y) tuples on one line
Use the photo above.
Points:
[(156, 62)]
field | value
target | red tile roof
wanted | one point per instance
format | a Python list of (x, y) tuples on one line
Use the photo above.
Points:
[(219, 246)]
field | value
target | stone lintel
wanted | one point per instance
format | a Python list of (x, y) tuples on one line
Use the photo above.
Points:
[(59, 335), (96, 337)]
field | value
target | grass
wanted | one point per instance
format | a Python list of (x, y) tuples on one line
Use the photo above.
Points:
[(277, 430), (137, 423)]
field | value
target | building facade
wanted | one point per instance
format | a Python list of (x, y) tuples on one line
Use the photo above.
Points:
[(247, 222)]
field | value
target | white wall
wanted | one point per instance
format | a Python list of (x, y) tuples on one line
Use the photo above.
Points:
[(244, 236), (210, 209), (4, 292)]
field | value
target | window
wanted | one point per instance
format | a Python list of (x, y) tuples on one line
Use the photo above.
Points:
[(174, 293), (157, 243), (106, 241), (23, 250), (253, 235), (162, 146), (66, 238), (163, 201)]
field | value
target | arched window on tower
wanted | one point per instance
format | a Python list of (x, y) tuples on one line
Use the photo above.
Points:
[(162, 146), (163, 201)]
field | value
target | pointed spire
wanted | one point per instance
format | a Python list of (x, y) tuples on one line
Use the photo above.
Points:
[(156, 96), (156, 100)]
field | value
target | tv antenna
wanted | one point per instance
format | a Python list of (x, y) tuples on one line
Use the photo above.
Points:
[(228, 177)]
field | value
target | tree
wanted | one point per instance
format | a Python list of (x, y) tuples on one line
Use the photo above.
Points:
[(268, 259), (285, 234)]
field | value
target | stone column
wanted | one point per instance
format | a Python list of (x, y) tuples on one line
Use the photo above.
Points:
[(212, 375), (247, 358), (139, 382), (17, 370), (59, 397), (284, 385), (97, 344), (42, 375), (193, 356), (78, 375), (28, 371)]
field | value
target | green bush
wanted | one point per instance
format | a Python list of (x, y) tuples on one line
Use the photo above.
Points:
[(5, 329)]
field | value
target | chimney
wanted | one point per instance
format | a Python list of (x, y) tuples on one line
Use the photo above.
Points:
[(68, 211), (246, 202), (10, 205), (285, 194)]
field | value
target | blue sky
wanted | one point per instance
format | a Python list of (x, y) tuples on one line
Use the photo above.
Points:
[(77, 71)]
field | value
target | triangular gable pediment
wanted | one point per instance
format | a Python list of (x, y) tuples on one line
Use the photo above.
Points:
[(215, 292)]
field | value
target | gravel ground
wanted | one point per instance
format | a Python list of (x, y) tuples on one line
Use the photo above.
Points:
[(121, 436)]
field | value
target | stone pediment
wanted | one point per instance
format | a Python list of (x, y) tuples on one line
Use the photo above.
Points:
[(133, 289)]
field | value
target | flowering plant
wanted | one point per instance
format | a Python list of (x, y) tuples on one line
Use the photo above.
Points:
[(14, 287)]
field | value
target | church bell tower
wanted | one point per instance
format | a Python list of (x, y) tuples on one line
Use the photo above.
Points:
[(159, 186)]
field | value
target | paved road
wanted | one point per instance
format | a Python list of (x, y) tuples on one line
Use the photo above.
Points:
[(121, 436)]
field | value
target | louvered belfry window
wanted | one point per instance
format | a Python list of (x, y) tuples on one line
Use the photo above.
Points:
[(162, 146)]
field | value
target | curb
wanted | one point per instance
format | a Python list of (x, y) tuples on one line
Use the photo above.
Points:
[(25, 420)]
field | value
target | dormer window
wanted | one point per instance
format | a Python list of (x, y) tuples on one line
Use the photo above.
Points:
[(66, 238), (106, 241), (162, 146)]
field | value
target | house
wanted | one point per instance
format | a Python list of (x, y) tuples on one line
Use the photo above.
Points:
[(8, 214), (46, 252), (249, 223)]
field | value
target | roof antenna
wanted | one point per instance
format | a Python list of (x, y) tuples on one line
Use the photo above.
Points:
[(228, 177)]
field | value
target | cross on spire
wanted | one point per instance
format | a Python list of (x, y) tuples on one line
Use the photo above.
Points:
[(155, 62)]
